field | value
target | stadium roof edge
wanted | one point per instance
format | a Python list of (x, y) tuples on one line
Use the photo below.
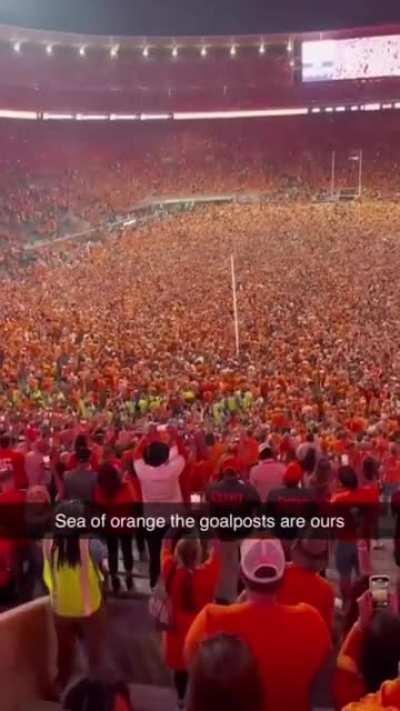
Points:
[(11, 33)]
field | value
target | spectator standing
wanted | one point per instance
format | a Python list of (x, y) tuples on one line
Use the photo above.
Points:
[(81, 442), (37, 520), (12, 466), (73, 576), (302, 581), (347, 501), (320, 484), (290, 500), (268, 473), (116, 495), (37, 464), (370, 654), (190, 585), (391, 471), (158, 467), (79, 483), (370, 492), (231, 495), (289, 643)]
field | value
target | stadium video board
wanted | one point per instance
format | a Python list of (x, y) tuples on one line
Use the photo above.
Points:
[(355, 58)]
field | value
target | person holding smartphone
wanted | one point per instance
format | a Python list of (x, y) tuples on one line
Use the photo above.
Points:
[(370, 654), (159, 465)]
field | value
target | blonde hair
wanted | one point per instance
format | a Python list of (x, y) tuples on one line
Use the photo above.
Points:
[(188, 556)]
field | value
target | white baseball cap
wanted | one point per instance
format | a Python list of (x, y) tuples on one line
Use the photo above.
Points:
[(263, 446), (262, 560)]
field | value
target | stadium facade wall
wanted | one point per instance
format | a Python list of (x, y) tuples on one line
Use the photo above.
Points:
[(27, 653)]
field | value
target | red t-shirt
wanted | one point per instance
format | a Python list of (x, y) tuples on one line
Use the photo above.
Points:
[(391, 469), (12, 470)]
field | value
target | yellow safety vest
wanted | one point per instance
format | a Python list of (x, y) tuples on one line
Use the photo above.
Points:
[(74, 592)]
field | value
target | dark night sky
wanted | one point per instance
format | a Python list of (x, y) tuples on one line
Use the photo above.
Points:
[(197, 17)]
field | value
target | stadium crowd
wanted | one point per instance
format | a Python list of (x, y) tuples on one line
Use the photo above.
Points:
[(68, 178), (121, 388)]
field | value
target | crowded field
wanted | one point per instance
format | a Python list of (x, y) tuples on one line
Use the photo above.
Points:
[(242, 356)]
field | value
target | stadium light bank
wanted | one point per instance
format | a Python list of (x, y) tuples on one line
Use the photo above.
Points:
[(198, 115)]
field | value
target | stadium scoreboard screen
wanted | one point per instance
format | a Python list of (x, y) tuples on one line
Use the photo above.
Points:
[(347, 59)]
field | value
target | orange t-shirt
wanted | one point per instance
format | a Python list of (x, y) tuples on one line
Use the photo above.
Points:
[(348, 685), (289, 643), (301, 585), (387, 698)]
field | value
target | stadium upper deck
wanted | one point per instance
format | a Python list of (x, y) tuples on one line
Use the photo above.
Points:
[(52, 71)]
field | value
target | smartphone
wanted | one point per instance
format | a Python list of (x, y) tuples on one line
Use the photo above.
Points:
[(344, 460), (379, 587)]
